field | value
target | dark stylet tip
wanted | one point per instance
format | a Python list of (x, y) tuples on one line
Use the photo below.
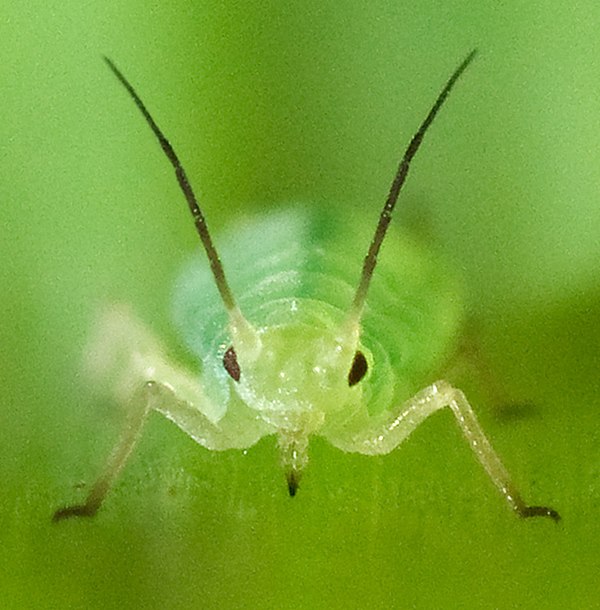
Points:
[(293, 482)]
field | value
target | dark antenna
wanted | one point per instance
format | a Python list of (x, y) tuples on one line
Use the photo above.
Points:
[(182, 179), (392, 198)]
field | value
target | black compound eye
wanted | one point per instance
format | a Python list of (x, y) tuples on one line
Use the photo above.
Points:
[(358, 369), (231, 364)]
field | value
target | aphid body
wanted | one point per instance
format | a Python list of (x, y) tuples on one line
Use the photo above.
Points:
[(302, 350)]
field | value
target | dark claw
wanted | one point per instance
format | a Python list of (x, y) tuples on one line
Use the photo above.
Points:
[(293, 481), (80, 510), (539, 511)]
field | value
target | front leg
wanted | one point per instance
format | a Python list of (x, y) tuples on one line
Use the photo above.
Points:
[(383, 437), (128, 361), (144, 399)]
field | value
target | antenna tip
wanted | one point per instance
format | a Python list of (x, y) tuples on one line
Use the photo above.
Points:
[(467, 60)]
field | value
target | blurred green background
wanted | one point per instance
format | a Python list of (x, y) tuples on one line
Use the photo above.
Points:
[(268, 102)]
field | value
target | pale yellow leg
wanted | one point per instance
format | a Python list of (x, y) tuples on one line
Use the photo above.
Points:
[(385, 434)]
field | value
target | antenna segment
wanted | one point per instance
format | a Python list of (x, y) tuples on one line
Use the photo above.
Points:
[(182, 179), (390, 203)]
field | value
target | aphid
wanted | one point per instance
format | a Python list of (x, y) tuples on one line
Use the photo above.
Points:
[(313, 356)]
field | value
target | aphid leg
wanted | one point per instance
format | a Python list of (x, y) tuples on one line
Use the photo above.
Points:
[(141, 404), (445, 394), (384, 437), (129, 361)]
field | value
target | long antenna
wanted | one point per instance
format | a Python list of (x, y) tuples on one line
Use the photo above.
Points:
[(392, 198), (182, 179)]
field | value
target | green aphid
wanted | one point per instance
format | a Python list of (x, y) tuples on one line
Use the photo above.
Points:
[(310, 346)]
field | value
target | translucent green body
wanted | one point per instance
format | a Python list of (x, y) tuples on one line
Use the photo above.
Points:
[(300, 350), (294, 272)]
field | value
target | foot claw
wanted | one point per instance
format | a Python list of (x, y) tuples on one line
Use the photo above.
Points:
[(79, 510), (539, 511)]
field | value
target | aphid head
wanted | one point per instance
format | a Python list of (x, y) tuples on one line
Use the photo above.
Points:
[(302, 369)]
